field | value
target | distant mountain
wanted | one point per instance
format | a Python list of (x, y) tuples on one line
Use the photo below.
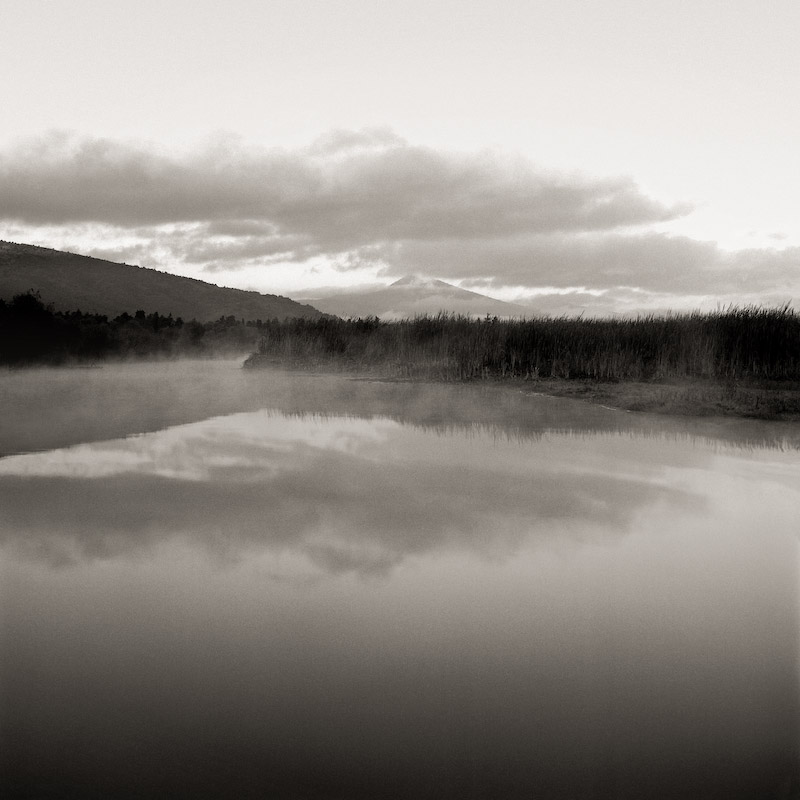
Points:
[(414, 295), (72, 282)]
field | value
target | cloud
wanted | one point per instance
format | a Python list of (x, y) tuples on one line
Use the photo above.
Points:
[(371, 199), (223, 253), (658, 263), (125, 254), (347, 189), (341, 140), (60, 178), (655, 261)]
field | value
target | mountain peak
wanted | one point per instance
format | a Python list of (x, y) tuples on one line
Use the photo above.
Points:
[(413, 295), (420, 282)]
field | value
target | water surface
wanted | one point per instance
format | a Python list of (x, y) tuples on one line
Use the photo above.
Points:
[(218, 583)]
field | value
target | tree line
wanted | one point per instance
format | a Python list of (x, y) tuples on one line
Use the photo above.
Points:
[(32, 332)]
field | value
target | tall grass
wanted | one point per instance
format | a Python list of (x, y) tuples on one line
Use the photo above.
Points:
[(749, 342)]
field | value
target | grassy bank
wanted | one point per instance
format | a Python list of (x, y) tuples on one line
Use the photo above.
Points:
[(765, 400), (741, 361)]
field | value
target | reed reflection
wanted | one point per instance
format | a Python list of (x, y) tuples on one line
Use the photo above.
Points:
[(46, 409)]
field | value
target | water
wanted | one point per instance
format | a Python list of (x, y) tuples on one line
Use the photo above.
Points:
[(218, 583)]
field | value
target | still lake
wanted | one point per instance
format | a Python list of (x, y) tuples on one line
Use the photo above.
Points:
[(228, 583)]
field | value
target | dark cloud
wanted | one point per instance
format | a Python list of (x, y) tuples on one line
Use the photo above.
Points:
[(347, 190), (60, 179), (654, 261), (241, 227)]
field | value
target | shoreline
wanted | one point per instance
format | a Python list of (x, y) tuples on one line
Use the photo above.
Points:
[(691, 398), (777, 401)]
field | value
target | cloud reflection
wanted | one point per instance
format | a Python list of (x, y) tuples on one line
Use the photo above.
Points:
[(346, 494)]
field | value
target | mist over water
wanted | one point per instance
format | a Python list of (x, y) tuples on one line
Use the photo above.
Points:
[(220, 583)]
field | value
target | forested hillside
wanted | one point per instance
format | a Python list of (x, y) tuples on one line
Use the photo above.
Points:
[(73, 282)]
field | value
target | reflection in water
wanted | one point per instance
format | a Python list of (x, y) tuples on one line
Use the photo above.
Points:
[(377, 590), (46, 409), (348, 494)]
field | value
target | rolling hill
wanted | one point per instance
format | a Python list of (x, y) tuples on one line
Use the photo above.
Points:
[(413, 295), (70, 282)]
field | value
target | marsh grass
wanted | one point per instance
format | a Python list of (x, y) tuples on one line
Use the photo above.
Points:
[(734, 345)]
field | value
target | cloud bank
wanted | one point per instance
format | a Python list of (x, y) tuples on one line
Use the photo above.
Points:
[(346, 190), (370, 198)]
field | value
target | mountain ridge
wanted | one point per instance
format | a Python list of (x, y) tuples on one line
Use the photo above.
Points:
[(70, 281)]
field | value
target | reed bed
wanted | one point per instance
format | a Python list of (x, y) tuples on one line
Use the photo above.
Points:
[(737, 343)]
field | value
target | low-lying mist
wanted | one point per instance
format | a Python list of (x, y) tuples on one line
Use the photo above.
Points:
[(44, 408)]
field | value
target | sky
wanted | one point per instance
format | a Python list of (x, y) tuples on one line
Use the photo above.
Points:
[(575, 156)]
